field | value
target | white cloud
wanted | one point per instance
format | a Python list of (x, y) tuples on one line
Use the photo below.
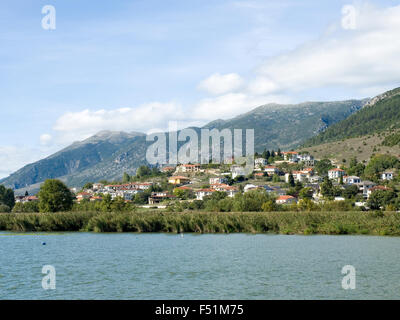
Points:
[(365, 56), (147, 117), (221, 83), (232, 104), (45, 139)]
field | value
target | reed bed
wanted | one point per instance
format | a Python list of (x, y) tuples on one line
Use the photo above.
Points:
[(333, 222)]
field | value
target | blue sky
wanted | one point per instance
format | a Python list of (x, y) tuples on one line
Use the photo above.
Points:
[(135, 65)]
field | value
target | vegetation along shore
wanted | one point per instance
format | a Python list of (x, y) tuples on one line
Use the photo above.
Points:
[(284, 222)]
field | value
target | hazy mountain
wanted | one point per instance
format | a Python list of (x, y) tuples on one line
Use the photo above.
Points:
[(73, 159), (107, 154)]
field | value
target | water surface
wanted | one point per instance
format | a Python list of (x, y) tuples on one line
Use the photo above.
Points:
[(161, 266)]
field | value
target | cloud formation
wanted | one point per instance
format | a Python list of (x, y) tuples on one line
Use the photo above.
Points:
[(360, 51), (221, 83), (365, 55)]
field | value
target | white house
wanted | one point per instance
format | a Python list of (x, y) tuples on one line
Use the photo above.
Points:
[(365, 186), (200, 194), (249, 187), (387, 175), (218, 180), (260, 162), (97, 186), (351, 179), (299, 176), (230, 190), (271, 170), (336, 173), (237, 171), (290, 156), (188, 168)]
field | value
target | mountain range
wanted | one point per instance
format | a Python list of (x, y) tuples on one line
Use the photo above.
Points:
[(107, 155)]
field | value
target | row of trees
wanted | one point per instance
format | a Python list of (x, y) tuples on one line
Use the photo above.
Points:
[(257, 201)]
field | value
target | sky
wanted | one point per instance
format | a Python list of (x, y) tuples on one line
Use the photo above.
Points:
[(136, 65)]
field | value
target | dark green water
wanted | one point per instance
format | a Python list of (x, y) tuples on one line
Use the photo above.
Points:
[(160, 266)]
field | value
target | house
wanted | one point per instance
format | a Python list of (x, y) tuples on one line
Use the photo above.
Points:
[(157, 197), (95, 199), (377, 188), (218, 180), (271, 170), (290, 156), (387, 175), (351, 179), (336, 173), (299, 176), (177, 180), (259, 175), (200, 194), (364, 186), (188, 168), (249, 187), (340, 199), (168, 169), (237, 171), (230, 190), (286, 200), (83, 195), (316, 179), (306, 158), (260, 162), (97, 186), (25, 199)]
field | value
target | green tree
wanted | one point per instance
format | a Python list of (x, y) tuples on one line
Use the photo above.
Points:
[(306, 193), (118, 205), (126, 178), (322, 167), (250, 201), (270, 206), (276, 178), (88, 185), (291, 180), (380, 163), (106, 204), (327, 188), (54, 196), (381, 198), (350, 192), (7, 196), (143, 171)]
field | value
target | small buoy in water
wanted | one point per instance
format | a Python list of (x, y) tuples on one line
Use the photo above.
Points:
[(43, 243)]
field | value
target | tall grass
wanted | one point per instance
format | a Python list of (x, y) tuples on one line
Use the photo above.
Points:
[(333, 222)]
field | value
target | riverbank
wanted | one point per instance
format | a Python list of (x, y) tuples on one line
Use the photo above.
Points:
[(349, 222)]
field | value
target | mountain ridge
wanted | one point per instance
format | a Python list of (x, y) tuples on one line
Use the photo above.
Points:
[(107, 154)]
